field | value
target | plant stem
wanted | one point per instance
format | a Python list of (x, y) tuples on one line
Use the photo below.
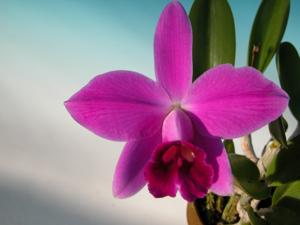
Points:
[(230, 211), (247, 147), (270, 151)]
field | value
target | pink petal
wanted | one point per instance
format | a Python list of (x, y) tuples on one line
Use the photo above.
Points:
[(234, 102), (173, 50), (223, 184), (217, 157), (120, 105), (129, 173), (177, 126)]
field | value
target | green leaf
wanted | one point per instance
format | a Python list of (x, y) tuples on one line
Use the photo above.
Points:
[(192, 215), (286, 204), (229, 146), (285, 193), (254, 218), (277, 130), (247, 176), (288, 66), (285, 123), (267, 31), (213, 34), (283, 216), (285, 166)]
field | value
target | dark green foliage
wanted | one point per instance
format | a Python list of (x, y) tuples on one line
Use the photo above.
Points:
[(229, 146), (254, 218), (213, 34), (277, 129), (288, 66), (267, 31), (285, 167), (247, 176)]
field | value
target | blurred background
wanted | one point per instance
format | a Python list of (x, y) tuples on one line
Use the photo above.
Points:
[(52, 171)]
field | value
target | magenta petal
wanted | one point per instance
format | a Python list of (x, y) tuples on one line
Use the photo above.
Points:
[(129, 172), (173, 50), (217, 157), (120, 105), (177, 126), (223, 185), (234, 102)]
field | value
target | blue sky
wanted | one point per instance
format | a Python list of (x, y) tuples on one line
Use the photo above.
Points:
[(90, 37)]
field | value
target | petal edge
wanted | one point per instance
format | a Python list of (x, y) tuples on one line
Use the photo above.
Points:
[(120, 105), (129, 173), (234, 102)]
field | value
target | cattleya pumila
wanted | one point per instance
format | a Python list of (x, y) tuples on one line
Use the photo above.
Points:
[(173, 127)]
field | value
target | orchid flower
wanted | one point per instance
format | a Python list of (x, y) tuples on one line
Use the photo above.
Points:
[(173, 127)]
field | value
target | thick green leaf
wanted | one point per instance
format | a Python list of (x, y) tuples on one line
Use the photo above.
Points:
[(285, 166), (285, 123), (267, 31), (243, 167), (286, 204), (285, 193), (277, 130), (283, 216), (229, 146), (288, 66), (213, 34), (254, 218), (247, 176), (192, 215)]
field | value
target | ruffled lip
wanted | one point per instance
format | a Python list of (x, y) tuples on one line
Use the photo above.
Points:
[(179, 166)]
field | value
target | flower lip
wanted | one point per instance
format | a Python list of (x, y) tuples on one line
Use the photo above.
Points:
[(169, 155), (178, 165), (187, 153), (180, 152)]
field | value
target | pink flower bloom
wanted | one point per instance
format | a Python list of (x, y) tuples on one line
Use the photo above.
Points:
[(173, 127)]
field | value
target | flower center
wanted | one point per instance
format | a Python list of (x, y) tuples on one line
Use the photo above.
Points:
[(179, 153), (176, 105), (187, 154), (178, 165)]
